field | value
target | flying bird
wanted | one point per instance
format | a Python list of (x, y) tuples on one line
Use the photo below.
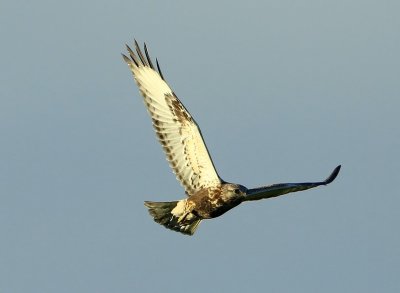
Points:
[(208, 195)]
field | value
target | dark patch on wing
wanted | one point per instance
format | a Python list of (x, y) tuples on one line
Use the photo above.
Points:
[(177, 108)]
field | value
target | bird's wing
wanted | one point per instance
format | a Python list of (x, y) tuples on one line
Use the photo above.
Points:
[(176, 129), (283, 188)]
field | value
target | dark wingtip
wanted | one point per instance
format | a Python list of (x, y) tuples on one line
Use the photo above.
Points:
[(148, 56), (140, 54), (132, 54), (333, 175), (159, 69), (127, 60)]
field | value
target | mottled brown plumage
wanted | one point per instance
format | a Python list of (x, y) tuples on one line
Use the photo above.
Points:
[(208, 195)]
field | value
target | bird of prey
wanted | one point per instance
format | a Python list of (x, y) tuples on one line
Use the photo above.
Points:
[(208, 195)]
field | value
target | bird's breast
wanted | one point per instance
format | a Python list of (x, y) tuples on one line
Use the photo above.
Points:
[(209, 206)]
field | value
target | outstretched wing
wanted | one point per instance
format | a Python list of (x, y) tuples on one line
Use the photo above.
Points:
[(176, 129), (283, 188)]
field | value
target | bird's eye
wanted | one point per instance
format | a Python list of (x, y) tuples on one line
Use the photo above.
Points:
[(237, 191)]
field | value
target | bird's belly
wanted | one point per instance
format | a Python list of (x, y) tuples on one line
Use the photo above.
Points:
[(207, 208)]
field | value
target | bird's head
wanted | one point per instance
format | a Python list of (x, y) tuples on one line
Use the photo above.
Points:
[(234, 190)]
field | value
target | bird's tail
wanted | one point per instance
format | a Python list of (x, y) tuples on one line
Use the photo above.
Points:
[(173, 216)]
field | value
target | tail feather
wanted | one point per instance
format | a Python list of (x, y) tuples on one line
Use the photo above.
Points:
[(162, 213)]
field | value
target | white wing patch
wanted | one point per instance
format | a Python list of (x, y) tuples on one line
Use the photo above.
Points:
[(176, 130)]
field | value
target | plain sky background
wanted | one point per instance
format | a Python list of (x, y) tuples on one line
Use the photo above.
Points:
[(283, 91)]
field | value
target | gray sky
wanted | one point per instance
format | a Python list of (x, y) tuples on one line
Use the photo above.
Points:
[(283, 91)]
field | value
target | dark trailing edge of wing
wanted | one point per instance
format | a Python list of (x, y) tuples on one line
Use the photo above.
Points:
[(140, 59)]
